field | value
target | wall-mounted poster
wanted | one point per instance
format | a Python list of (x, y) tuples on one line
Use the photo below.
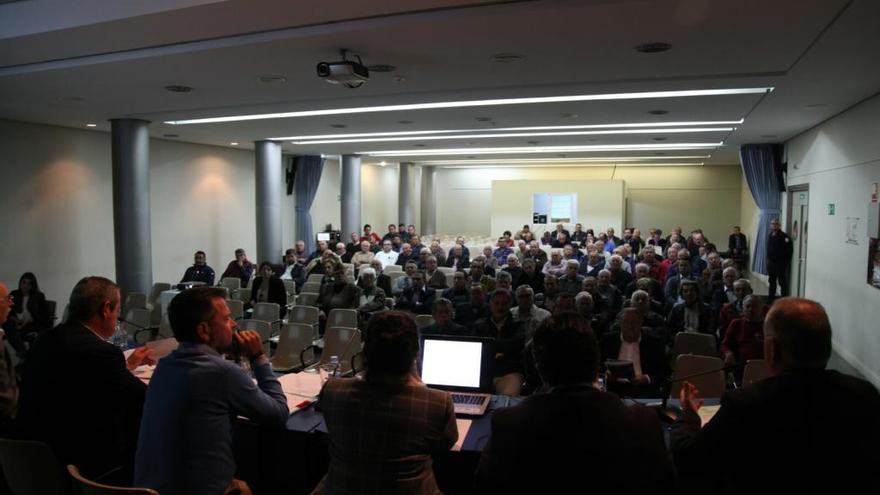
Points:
[(874, 236)]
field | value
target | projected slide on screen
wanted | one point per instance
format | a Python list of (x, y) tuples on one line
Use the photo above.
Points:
[(451, 363), (555, 207)]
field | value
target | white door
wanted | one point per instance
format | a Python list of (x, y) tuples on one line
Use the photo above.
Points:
[(800, 224)]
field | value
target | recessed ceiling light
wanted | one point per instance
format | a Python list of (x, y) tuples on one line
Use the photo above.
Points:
[(419, 145), (514, 163), (768, 136), (506, 58), (398, 79), (547, 149), (233, 143), (653, 47), (477, 103), (567, 159), (176, 88), (483, 119), (570, 116), (533, 143), (470, 158), (171, 136), (382, 163), (660, 138), (91, 125), (271, 78), (815, 105), (338, 126), (510, 129), (381, 68), (405, 122), (495, 135), (658, 112), (660, 153)]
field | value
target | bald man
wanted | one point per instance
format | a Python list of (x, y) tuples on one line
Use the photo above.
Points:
[(804, 429)]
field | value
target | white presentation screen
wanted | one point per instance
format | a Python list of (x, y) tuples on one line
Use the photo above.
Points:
[(452, 363)]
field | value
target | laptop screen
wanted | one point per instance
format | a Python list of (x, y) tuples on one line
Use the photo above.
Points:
[(452, 363)]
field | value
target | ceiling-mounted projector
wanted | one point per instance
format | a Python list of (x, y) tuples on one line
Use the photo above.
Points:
[(349, 73)]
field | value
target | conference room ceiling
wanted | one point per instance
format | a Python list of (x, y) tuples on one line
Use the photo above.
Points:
[(72, 67)]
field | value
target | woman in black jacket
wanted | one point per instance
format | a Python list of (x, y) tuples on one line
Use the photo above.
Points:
[(30, 313), (269, 288)]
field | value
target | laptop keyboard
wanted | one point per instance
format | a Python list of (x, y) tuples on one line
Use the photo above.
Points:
[(468, 399)]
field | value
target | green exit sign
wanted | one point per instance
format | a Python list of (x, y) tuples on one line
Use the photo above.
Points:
[(831, 208)]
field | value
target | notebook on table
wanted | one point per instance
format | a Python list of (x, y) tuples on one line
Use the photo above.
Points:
[(461, 366)]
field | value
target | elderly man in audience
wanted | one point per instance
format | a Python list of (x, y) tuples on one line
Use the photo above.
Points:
[(612, 239), (670, 291), (670, 263), (386, 256), (731, 311), (656, 270), (612, 298), (625, 256), (537, 255), (8, 382), (519, 233), (406, 255), (569, 252), (501, 252), (620, 278), (503, 280), (509, 342), (457, 260), (74, 367), (619, 449), (338, 292), (489, 260), (437, 251), (415, 243), (721, 291), (364, 256), (199, 271), (442, 311), (526, 312), (322, 246), (599, 246), (343, 253), (459, 292), (434, 277), (636, 242), (551, 293), (530, 276), (477, 276), (404, 282), (560, 230), (547, 238), (512, 267), (818, 429), (302, 256), (185, 442), (691, 314), (655, 238), (240, 268), (585, 307), (416, 298), (634, 344), (459, 241), (560, 240), (521, 250), (372, 297), (570, 282), (654, 322), (579, 236), (744, 338), (556, 266), (355, 244), (476, 308), (592, 263), (422, 258), (382, 281)]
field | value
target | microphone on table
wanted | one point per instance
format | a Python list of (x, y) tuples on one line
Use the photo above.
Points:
[(668, 414), (154, 330)]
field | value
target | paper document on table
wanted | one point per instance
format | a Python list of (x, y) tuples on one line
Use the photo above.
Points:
[(463, 426), (144, 372), (706, 413), (299, 387)]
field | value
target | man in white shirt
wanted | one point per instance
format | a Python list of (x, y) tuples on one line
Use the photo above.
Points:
[(386, 256)]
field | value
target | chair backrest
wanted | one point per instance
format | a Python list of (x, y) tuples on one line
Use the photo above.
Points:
[(243, 295), (315, 277), (271, 312), (710, 385), (88, 487), (307, 299), (755, 370), (137, 323), (264, 328), (700, 344), (134, 300), (342, 342), (31, 468), (293, 339), (231, 283), (391, 268), (394, 276), (446, 269), (312, 287), (342, 318), (424, 320), (157, 289), (450, 279), (165, 331), (290, 289), (236, 307), (307, 315)]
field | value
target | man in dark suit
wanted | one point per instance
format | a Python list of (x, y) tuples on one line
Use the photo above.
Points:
[(812, 430), (77, 393), (636, 344), (509, 342), (442, 311), (779, 250), (418, 297), (575, 435), (560, 229), (690, 315), (738, 247), (457, 259)]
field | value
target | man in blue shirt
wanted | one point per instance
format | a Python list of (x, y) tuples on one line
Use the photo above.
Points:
[(185, 442), (200, 271)]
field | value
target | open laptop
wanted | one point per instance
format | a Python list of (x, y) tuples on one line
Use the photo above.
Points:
[(461, 366)]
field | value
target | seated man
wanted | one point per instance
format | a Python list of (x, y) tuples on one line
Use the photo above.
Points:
[(406, 255), (580, 438), (501, 252), (526, 312), (513, 267), (612, 299), (434, 277), (503, 280), (537, 255), (438, 253), (744, 338), (386, 256), (200, 271), (732, 311), (690, 315), (185, 442), (510, 340), (300, 252), (459, 241), (240, 268), (392, 232), (556, 266), (403, 283), (530, 276), (620, 278), (570, 282), (477, 275), (364, 256), (291, 270), (416, 298), (457, 260), (470, 312), (636, 345), (370, 236), (593, 264), (73, 365), (343, 253), (817, 429), (442, 311), (653, 322), (459, 292)]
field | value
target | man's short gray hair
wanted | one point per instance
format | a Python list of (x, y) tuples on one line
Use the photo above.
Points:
[(574, 263), (605, 271), (583, 295), (503, 276), (522, 289)]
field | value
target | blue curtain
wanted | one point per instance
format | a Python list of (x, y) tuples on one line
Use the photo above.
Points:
[(308, 176), (759, 168)]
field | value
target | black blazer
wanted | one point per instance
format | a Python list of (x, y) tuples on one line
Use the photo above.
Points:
[(816, 430), (78, 396), (277, 293), (464, 262), (575, 440), (653, 364), (37, 307), (422, 307)]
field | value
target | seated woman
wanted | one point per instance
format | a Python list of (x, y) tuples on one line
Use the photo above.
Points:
[(372, 298), (269, 288), (30, 313), (384, 429)]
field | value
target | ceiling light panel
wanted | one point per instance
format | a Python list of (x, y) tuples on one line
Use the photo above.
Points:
[(544, 149)]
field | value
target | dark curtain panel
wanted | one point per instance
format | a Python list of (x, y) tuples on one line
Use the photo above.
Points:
[(308, 175), (759, 168)]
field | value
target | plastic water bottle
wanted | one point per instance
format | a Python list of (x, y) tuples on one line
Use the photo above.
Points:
[(334, 366)]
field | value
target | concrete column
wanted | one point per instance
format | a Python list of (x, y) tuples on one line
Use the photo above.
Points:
[(268, 200), (350, 195), (429, 201), (404, 194), (130, 157)]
